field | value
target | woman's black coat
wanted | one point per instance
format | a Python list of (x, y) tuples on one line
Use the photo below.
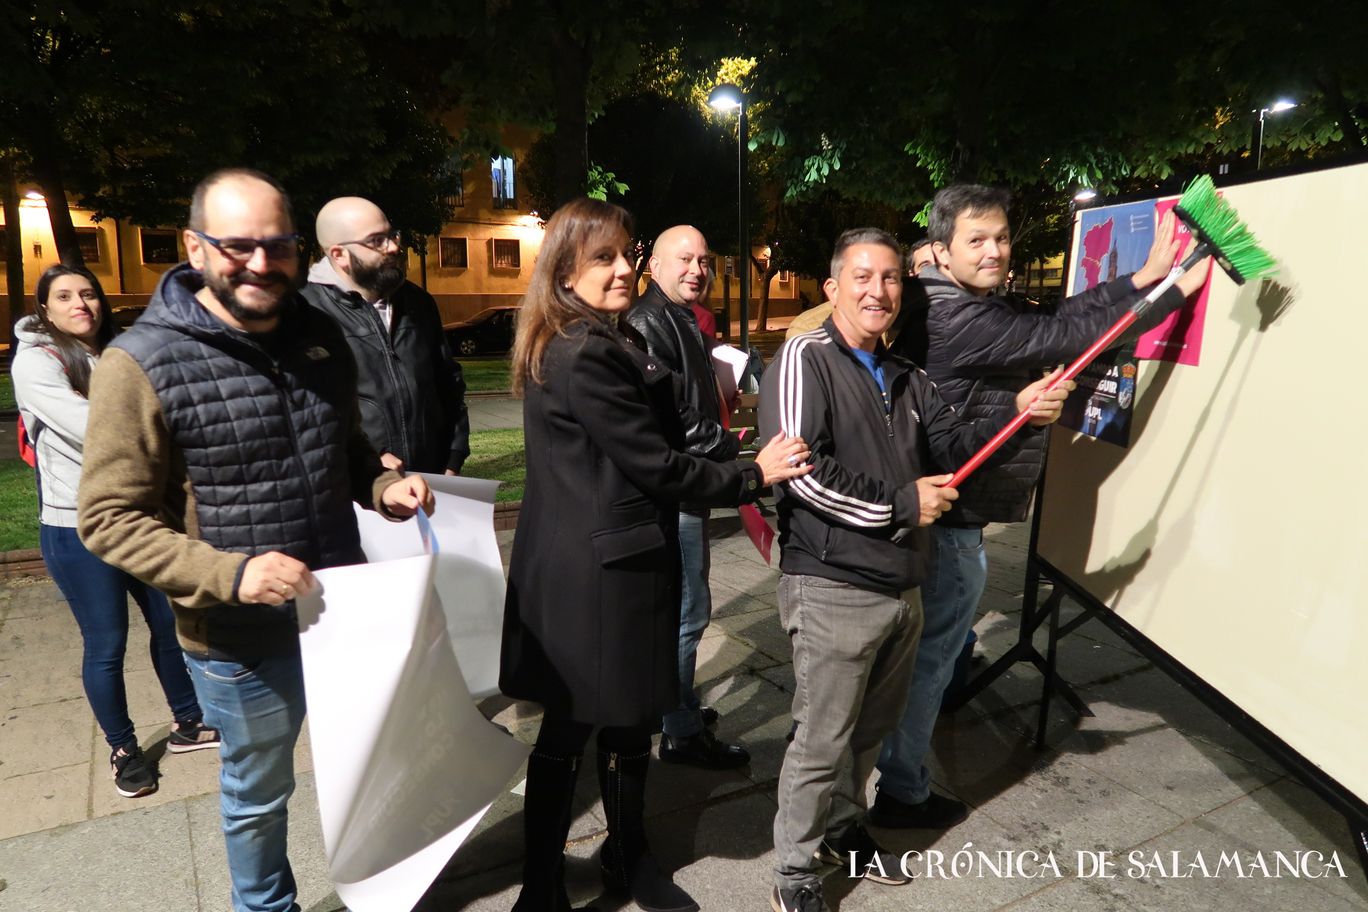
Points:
[(591, 620)]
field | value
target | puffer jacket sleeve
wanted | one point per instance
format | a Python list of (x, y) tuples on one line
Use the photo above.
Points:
[(983, 337)]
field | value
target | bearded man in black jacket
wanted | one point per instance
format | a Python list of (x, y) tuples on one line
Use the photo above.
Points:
[(982, 348), (665, 319), (410, 390)]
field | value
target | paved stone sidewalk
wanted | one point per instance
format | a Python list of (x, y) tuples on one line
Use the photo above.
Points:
[(1152, 772)]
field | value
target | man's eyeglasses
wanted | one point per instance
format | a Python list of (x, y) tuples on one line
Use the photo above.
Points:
[(240, 250), (378, 241)]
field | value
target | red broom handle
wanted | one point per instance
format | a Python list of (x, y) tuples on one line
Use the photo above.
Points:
[(1201, 249), (1073, 370)]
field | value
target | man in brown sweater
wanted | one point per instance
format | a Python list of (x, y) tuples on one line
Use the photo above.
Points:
[(223, 454)]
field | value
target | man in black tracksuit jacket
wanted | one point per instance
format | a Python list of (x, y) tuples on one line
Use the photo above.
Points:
[(854, 546), (664, 317), (410, 391), (981, 349)]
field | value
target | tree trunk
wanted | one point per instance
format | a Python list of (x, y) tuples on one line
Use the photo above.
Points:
[(14, 249), (570, 141), (767, 273), (1329, 84), (45, 163)]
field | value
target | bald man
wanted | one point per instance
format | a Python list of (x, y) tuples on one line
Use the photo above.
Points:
[(412, 392), (665, 318)]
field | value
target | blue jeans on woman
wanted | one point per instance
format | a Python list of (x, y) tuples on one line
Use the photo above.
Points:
[(98, 596), (950, 597), (257, 706)]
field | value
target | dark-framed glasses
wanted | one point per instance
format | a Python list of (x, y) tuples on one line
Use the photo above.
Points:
[(240, 250), (378, 241)]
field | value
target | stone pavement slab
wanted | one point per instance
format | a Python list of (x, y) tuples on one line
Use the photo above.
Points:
[(1152, 771)]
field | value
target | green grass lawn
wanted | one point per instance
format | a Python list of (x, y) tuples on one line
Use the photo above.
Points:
[(486, 376), (18, 506), (499, 455), (494, 454), (6, 392)]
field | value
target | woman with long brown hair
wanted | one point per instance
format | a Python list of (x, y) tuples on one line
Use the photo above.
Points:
[(58, 345), (591, 622)]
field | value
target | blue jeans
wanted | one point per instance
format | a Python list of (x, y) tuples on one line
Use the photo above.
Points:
[(695, 610), (258, 708), (98, 596), (950, 596)]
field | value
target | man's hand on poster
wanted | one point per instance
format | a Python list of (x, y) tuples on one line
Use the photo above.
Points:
[(1044, 405), (1164, 251), (274, 578), (406, 496)]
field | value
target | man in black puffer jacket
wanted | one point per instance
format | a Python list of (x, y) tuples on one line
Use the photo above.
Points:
[(222, 457), (982, 349), (411, 392), (664, 318)]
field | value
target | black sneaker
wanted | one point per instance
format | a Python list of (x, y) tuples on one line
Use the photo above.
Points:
[(191, 736), (704, 751), (937, 812), (134, 776), (871, 860), (807, 898)]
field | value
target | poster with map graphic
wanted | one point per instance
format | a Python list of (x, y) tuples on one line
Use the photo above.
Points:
[(1112, 241)]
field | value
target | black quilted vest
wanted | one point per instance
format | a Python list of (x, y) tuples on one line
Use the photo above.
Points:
[(263, 424)]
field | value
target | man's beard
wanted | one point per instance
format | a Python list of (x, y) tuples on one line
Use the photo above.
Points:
[(382, 279), (223, 290)]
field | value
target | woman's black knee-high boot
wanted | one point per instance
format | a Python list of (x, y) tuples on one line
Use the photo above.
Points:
[(546, 823), (628, 867)]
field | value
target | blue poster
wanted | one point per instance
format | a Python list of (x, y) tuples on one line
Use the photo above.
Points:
[(1112, 241)]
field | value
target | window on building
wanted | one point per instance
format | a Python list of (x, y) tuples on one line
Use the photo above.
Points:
[(88, 239), (456, 199), (501, 176), (785, 277), (1052, 273), (158, 246), (729, 263), (506, 254), (452, 253)]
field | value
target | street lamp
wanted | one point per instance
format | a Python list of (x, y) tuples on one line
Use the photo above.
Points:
[(1282, 104), (728, 97), (1084, 195)]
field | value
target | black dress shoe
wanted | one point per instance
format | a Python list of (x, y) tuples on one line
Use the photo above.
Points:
[(937, 812), (704, 751)]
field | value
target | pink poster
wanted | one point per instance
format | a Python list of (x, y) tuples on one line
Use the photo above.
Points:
[(1179, 337)]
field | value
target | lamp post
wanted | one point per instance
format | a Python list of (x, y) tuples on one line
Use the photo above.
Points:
[(727, 97), (1277, 107)]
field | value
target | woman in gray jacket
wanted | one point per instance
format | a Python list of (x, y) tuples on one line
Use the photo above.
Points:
[(57, 348)]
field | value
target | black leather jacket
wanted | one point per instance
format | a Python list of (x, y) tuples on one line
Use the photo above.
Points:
[(411, 393), (673, 338)]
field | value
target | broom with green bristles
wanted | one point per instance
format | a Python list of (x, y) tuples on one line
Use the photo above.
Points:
[(1219, 233)]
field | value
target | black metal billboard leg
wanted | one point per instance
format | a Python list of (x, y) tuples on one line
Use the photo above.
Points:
[(1051, 681)]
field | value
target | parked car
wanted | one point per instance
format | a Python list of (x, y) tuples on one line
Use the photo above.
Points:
[(488, 332)]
